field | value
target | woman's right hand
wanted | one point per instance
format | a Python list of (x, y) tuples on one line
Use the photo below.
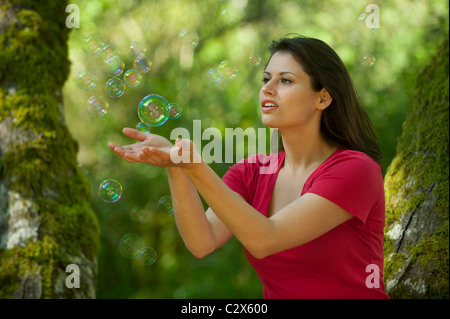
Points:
[(151, 148)]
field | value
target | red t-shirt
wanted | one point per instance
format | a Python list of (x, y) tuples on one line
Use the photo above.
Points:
[(347, 261)]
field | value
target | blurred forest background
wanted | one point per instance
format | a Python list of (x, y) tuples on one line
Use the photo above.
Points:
[(409, 33)]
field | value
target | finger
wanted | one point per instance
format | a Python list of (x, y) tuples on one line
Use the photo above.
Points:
[(134, 134)]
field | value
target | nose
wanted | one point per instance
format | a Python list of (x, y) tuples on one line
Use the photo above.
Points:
[(268, 89)]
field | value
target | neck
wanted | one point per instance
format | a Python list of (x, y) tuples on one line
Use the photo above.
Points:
[(305, 149)]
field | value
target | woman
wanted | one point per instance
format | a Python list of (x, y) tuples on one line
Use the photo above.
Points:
[(313, 228)]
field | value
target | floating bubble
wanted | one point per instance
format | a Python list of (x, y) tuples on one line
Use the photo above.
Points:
[(363, 16), (84, 169), (153, 110), (369, 59), (214, 75), (147, 256), (110, 191), (227, 16), (132, 77), (110, 52), (137, 214), (92, 44), (142, 63), (255, 60), (143, 127), (97, 106), (131, 246), (189, 37), (174, 111), (114, 66), (115, 87), (86, 80), (228, 70), (165, 205), (136, 48)]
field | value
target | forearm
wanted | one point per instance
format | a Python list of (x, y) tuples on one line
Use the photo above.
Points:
[(190, 218), (245, 222)]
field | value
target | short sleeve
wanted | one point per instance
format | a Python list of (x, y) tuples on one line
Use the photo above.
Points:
[(353, 181), (237, 178)]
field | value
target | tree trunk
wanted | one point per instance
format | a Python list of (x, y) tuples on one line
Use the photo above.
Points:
[(46, 223), (417, 191)]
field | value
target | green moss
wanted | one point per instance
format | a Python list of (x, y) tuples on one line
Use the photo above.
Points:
[(420, 171), (33, 67)]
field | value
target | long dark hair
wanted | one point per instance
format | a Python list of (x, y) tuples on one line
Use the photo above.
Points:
[(344, 121)]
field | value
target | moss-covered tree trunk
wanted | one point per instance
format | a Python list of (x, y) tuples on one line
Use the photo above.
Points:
[(417, 191), (46, 223)]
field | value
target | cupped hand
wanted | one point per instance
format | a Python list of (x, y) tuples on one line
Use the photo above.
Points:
[(156, 150)]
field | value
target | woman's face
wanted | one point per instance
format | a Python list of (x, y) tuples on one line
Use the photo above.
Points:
[(286, 96)]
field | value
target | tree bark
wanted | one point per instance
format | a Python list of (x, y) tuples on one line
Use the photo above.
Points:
[(46, 223), (417, 191)]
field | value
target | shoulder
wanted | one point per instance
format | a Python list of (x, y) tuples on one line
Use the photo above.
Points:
[(353, 161)]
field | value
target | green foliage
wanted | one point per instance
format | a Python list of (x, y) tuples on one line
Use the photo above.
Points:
[(409, 33)]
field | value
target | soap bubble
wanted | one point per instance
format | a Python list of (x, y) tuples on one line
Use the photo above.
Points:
[(110, 191), (137, 214), (97, 106), (227, 16), (363, 16), (132, 78), (214, 75), (115, 87), (92, 44), (153, 110), (109, 52), (369, 59), (84, 169), (255, 60), (165, 205), (114, 66), (131, 246), (86, 80), (228, 70), (142, 63), (143, 127), (174, 111), (136, 48), (147, 256), (189, 37)]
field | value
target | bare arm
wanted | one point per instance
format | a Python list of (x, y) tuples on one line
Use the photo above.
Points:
[(201, 232)]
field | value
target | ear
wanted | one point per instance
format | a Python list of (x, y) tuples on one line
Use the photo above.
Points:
[(325, 99)]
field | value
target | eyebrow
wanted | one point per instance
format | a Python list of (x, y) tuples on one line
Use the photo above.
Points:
[(281, 73)]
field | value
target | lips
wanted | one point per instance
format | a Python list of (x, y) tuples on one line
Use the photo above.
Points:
[(268, 106)]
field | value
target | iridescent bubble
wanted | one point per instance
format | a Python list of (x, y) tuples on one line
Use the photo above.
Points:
[(363, 16), (255, 60), (369, 59), (92, 44), (109, 52), (228, 70), (174, 111), (153, 110), (86, 80), (227, 16), (84, 169), (114, 66), (147, 257), (131, 246), (115, 87), (137, 214), (97, 106), (189, 37), (110, 191), (136, 48), (143, 127), (142, 63), (214, 75), (132, 77), (165, 205)]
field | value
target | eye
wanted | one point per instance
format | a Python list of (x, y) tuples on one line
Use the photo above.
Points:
[(285, 81), (265, 80)]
